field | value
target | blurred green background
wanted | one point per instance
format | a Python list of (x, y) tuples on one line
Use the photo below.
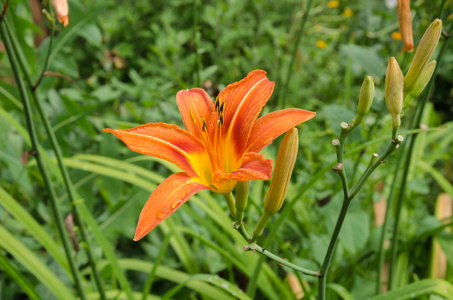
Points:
[(126, 61)]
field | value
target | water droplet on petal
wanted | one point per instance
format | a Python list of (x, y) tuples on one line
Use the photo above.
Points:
[(176, 203), (198, 173), (188, 182), (160, 215)]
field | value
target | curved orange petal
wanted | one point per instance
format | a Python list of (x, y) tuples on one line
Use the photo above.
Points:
[(254, 167), (164, 141), (270, 126), (243, 103), (165, 200), (194, 103)]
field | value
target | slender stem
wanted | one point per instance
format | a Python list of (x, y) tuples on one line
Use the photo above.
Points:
[(255, 247), (196, 43), (46, 62), (330, 250), (282, 98), (349, 195), (416, 123), (381, 250), (41, 163), (152, 275), (66, 178), (230, 201)]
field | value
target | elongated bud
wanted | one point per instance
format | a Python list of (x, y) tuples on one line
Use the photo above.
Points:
[(405, 22), (242, 194), (423, 54), (365, 100), (420, 84), (62, 10), (284, 165), (394, 83)]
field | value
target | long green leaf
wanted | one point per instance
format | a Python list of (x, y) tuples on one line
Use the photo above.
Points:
[(34, 265), (33, 227), (441, 180), (420, 288), (18, 277)]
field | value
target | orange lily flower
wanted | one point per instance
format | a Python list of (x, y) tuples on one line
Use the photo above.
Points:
[(219, 146)]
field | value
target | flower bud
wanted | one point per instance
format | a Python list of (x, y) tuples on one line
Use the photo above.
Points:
[(365, 100), (284, 165), (423, 54), (242, 194), (405, 22), (394, 83), (420, 84), (62, 10)]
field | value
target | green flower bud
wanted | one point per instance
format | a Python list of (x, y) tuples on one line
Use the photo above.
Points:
[(423, 54), (284, 165), (365, 100), (420, 84), (394, 84), (242, 194)]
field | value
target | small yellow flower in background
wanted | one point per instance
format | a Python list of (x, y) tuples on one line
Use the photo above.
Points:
[(321, 44), (62, 10), (333, 4), (396, 35), (348, 12)]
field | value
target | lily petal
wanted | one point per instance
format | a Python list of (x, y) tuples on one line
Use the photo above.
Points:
[(243, 103), (165, 200), (194, 103), (270, 126), (254, 167), (164, 141)]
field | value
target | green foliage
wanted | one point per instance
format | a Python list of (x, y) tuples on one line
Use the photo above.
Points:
[(127, 60)]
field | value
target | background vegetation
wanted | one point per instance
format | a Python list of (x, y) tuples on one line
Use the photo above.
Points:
[(127, 60)]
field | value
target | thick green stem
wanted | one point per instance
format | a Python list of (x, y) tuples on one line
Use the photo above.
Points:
[(330, 250), (282, 98), (66, 178), (231, 205), (41, 163)]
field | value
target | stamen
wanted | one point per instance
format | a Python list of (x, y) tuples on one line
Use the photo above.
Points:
[(221, 109), (216, 104), (204, 126), (192, 116)]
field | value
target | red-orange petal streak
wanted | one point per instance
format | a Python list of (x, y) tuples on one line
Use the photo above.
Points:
[(164, 141), (165, 200), (243, 103), (270, 126), (199, 103), (254, 167)]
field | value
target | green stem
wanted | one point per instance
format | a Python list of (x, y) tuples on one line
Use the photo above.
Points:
[(230, 201), (41, 163), (416, 123), (66, 178), (253, 246), (330, 250), (349, 195), (152, 275), (381, 250), (196, 43), (46, 62), (282, 98)]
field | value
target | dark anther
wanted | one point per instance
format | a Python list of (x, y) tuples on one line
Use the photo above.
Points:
[(204, 126), (221, 121), (222, 107), (217, 104)]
